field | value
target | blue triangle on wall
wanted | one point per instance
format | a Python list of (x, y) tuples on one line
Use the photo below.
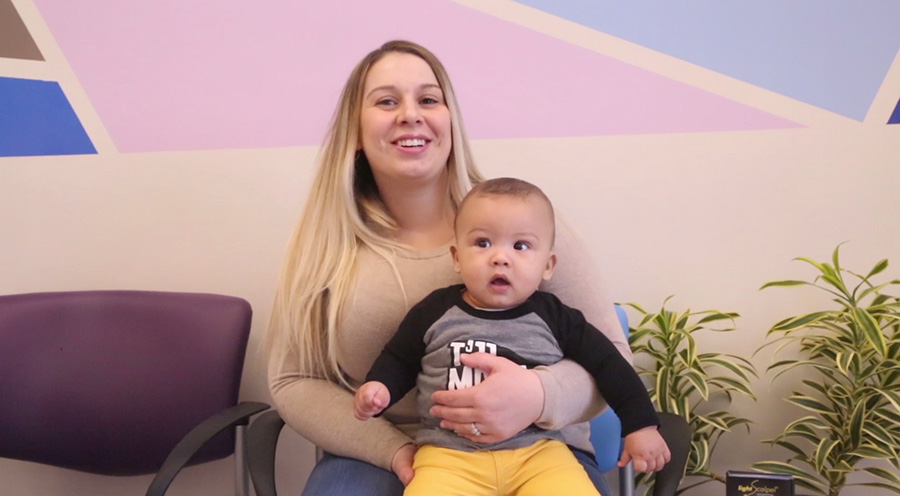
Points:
[(37, 119), (895, 117)]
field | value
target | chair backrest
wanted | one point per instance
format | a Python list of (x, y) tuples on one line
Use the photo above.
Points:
[(108, 382)]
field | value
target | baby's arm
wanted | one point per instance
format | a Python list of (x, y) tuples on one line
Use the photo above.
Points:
[(371, 399), (647, 449)]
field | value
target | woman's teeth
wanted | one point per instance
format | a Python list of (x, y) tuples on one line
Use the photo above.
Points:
[(411, 143)]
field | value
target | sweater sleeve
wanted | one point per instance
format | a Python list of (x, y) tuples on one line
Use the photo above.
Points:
[(322, 412), (569, 392)]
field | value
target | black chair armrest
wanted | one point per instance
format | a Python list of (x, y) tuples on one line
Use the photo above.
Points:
[(677, 433), (262, 441), (196, 438)]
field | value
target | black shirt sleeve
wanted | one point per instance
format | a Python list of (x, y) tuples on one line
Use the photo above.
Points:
[(615, 378), (399, 364)]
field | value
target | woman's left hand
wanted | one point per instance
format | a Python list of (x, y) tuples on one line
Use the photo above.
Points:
[(508, 400)]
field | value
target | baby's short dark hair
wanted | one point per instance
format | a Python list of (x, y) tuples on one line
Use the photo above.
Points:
[(509, 187)]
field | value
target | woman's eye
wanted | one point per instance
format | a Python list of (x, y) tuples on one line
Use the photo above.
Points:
[(521, 246), (430, 101), (386, 102), (483, 243)]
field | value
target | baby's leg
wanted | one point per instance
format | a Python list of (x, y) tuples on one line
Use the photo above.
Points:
[(449, 472), (549, 467)]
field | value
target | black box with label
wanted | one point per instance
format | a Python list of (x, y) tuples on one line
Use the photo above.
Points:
[(758, 484)]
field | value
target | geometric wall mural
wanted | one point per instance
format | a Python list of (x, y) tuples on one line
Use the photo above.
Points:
[(832, 54), (895, 117), (197, 75), (37, 119), (235, 74)]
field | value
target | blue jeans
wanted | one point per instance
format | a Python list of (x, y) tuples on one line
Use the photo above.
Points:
[(339, 476)]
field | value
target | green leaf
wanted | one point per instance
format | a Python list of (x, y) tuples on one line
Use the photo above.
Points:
[(799, 322), (785, 468), (732, 385), (822, 451), (872, 331), (784, 284), (722, 362), (856, 424), (884, 474), (808, 403), (716, 316), (879, 268), (663, 393), (878, 433), (699, 381), (872, 452), (879, 485), (835, 258)]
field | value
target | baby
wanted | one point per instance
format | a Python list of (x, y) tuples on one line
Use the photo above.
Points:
[(505, 229)]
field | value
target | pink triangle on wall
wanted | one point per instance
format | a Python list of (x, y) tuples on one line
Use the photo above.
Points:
[(235, 74)]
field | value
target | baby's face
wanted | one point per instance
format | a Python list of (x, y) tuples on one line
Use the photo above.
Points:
[(503, 249)]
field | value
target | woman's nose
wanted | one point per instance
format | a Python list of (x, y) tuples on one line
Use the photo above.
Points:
[(410, 113)]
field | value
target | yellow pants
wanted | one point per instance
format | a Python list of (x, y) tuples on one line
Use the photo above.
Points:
[(546, 468)]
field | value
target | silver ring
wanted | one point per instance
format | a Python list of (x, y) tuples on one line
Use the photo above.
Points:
[(475, 431)]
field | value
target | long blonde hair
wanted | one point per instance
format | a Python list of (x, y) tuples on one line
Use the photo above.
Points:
[(343, 211)]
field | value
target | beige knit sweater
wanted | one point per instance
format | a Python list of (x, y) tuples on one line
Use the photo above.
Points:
[(322, 411)]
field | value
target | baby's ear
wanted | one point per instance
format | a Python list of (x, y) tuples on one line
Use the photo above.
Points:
[(455, 254), (551, 266)]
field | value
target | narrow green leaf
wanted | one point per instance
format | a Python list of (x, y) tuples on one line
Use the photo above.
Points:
[(856, 424), (785, 468), (699, 382), (835, 257), (879, 485), (879, 267), (784, 284), (808, 403), (730, 384), (872, 452), (799, 322), (872, 331), (877, 433), (821, 454), (662, 386)]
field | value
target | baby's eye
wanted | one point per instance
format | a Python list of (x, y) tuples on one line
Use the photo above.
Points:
[(521, 246), (483, 243)]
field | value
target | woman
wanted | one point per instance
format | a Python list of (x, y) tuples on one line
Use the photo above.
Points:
[(372, 240)]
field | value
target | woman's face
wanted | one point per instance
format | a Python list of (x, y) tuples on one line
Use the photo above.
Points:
[(404, 121)]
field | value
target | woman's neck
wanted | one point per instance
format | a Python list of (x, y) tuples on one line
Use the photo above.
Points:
[(424, 215)]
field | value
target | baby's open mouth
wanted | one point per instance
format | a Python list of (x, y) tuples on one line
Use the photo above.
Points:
[(499, 281)]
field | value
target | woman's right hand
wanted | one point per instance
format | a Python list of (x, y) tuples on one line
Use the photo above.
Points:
[(402, 463), (510, 399)]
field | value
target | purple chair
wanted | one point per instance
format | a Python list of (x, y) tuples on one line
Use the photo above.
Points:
[(124, 382)]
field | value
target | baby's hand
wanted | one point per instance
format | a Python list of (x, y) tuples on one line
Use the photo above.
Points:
[(647, 448), (371, 398)]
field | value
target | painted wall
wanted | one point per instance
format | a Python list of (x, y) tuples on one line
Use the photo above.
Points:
[(698, 147)]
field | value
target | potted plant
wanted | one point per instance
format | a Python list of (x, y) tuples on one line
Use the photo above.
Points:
[(683, 379), (851, 356)]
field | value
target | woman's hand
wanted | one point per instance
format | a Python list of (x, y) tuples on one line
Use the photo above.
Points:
[(402, 463), (510, 399)]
